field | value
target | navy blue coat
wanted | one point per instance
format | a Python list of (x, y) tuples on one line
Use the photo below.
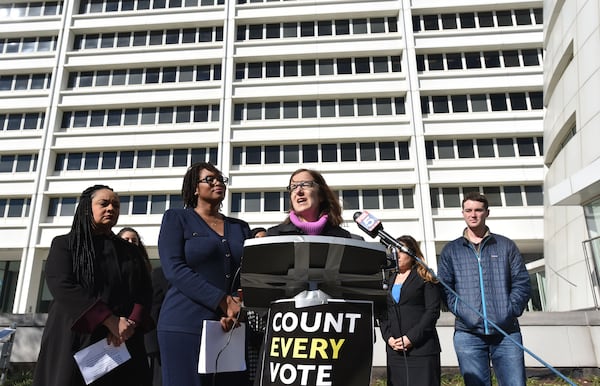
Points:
[(194, 262), (494, 282)]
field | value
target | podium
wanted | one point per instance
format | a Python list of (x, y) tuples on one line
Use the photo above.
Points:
[(280, 267), (331, 341)]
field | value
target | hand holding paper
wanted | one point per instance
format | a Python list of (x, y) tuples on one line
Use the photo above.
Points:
[(220, 352), (100, 358)]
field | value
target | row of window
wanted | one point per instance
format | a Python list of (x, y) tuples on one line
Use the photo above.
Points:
[(482, 19), (130, 205), (25, 82), (311, 28), (153, 75), (324, 152), (22, 121), (130, 159), (140, 116), (502, 196), (319, 109), (311, 67), (100, 6), (14, 207), (18, 163), (38, 8), (484, 148), (148, 38), (350, 199), (512, 101), (259, 1), (478, 59), (247, 202), (27, 45)]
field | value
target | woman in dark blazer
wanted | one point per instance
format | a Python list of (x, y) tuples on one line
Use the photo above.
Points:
[(408, 326), (200, 252)]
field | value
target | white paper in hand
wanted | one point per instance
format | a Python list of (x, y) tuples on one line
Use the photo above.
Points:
[(100, 358), (231, 346)]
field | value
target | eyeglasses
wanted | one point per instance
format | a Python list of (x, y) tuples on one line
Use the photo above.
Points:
[(212, 179), (302, 184)]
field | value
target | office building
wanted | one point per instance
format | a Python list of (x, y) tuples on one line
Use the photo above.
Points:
[(404, 106), (572, 157)]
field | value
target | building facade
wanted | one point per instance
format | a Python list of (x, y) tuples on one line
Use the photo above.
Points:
[(404, 106), (572, 183)]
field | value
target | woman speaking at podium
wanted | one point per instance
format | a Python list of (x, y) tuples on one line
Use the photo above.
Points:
[(314, 208)]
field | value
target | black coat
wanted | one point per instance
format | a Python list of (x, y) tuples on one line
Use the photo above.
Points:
[(414, 316), (75, 318), (287, 228)]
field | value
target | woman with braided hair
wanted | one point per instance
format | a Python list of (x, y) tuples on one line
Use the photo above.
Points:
[(101, 290)]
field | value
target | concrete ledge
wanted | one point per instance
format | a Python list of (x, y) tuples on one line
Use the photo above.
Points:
[(561, 339)]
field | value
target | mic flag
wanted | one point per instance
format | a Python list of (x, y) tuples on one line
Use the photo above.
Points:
[(368, 223)]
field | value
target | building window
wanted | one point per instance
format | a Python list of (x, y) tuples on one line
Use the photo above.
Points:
[(352, 199), (137, 76), (484, 148), (325, 28), (499, 196), (25, 82), (144, 159), (145, 115), (9, 272), (485, 19), (22, 121), (28, 45), (14, 207), (130, 205), (319, 109), (474, 60), (106, 6), (18, 163), (518, 101), (148, 38)]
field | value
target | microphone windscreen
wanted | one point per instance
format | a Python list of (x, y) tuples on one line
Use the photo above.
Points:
[(368, 223)]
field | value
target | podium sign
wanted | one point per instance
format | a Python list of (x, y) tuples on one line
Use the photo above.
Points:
[(324, 345)]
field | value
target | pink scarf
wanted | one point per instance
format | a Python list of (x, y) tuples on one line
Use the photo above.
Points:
[(310, 228)]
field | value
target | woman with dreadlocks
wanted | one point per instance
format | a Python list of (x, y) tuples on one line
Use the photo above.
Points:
[(101, 290)]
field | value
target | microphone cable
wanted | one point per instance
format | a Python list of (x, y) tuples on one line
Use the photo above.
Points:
[(393, 251), (472, 308), (229, 335), (230, 332)]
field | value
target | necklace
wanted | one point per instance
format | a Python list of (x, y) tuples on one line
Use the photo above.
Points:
[(212, 221)]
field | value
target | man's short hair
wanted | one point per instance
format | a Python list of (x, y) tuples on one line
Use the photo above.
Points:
[(475, 196)]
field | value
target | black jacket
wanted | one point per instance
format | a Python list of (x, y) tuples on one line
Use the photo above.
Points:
[(414, 316), (287, 228)]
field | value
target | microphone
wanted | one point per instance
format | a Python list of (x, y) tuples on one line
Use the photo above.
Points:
[(368, 223), (372, 226)]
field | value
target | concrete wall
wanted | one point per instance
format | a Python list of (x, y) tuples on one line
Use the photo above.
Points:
[(561, 339)]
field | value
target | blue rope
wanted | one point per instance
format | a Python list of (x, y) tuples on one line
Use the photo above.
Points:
[(396, 244)]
